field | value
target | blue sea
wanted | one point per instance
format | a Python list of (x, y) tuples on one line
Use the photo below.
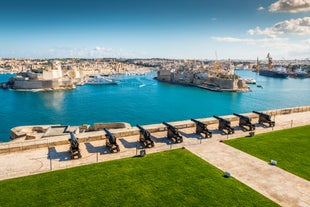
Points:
[(143, 100)]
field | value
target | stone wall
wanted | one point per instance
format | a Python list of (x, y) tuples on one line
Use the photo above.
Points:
[(100, 135), (33, 84), (42, 84), (164, 75)]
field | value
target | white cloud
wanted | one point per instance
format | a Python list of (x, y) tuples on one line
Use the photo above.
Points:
[(231, 39), (260, 8), (280, 47), (292, 6), (249, 40), (300, 26)]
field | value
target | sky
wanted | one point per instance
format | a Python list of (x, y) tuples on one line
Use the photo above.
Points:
[(180, 29)]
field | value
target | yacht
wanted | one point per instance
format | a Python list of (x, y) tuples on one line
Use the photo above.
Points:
[(101, 80), (250, 81)]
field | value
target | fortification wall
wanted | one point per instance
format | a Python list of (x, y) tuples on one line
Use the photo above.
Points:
[(33, 84), (100, 135)]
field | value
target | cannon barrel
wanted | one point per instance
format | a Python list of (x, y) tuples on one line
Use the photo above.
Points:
[(222, 120), (256, 112), (217, 117), (241, 116), (169, 125), (140, 127), (108, 133), (145, 133), (198, 122), (111, 136), (73, 140), (261, 114)]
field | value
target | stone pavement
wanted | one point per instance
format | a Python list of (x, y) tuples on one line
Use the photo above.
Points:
[(278, 185)]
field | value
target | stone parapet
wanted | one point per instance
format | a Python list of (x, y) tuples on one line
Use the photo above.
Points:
[(124, 130)]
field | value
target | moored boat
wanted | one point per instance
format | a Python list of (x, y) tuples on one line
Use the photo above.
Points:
[(271, 71), (250, 81), (300, 73), (101, 80)]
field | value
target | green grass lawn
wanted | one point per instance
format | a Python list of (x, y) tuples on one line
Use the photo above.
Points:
[(171, 178), (290, 148)]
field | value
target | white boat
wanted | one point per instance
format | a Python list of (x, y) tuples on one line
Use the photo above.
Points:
[(101, 80), (250, 81)]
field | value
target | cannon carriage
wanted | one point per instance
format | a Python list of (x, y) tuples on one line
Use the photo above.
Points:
[(111, 141), (264, 118), (173, 133), (145, 137), (74, 146), (201, 128), (245, 122), (224, 125)]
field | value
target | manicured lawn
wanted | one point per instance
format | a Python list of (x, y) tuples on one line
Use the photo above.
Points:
[(290, 148), (171, 178)]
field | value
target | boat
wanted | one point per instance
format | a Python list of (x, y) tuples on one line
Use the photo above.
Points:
[(250, 81), (300, 73), (274, 73), (101, 80), (271, 71)]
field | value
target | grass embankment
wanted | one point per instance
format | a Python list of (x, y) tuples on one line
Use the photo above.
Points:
[(172, 178), (290, 148)]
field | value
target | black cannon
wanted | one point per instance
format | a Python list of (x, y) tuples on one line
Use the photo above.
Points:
[(264, 118), (74, 146), (145, 137), (111, 141), (173, 133), (244, 122), (224, 125), (201, 128)]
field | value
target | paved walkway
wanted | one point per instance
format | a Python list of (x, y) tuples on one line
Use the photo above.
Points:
[(278, 185)]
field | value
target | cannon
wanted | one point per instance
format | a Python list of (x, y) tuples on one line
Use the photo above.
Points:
[(111, 141), (74, 146), (244, 122), (145, 137), (201, 128), (224, 125), (264, 118), (173, 133)]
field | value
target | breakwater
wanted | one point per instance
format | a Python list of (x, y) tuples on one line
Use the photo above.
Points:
[(125, 130)]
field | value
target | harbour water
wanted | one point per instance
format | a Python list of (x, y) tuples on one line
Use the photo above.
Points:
[(143, 100)]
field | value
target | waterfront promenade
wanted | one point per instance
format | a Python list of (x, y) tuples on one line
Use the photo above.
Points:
[(278, 185)]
